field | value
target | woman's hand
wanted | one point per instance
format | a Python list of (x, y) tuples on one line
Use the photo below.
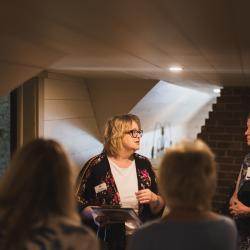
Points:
[(146, 196), (233, 200), (89, 213), (238, 208)]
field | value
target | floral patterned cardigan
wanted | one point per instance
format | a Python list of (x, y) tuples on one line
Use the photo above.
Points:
[(97, 171)]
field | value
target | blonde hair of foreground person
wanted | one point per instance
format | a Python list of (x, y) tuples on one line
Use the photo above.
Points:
[(187, 181), (187, 177), (38, 183)]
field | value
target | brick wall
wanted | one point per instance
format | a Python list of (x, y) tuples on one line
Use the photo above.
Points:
[(4, 132), (224, 133)]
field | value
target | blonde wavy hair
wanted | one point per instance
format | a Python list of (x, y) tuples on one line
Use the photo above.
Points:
[(115, 128), (187, 177)]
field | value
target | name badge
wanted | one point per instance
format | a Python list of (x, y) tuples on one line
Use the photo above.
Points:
[(101, 187), (248, 173)]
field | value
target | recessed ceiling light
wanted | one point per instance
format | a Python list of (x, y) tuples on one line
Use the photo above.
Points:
[(216, 90), (175, 68)]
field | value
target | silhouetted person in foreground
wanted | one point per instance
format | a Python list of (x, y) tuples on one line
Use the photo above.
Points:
[(187, 182), (37, 205)]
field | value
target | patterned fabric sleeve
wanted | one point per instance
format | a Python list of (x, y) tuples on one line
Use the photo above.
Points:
[(147, 175), (154, 189), (85, 194), (244, 167), (147, 179)]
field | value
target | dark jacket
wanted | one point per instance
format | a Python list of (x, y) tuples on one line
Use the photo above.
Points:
[(97, 171)]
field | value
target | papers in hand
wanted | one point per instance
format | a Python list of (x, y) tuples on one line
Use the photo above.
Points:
[(117, 215)]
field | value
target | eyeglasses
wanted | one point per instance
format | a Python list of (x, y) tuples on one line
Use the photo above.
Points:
[(135, 133)]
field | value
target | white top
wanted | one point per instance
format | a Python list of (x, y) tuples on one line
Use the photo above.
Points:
[(127, 184)]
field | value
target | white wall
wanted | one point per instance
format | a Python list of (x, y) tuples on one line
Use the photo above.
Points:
[(75, 110), (69, 118), (70, 115), (116, 96), (153, 140), (180, 111)]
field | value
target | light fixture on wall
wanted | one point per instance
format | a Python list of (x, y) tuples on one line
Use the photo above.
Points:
[(159, 139)]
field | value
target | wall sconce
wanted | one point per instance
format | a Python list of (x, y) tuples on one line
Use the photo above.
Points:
[(159, 139)]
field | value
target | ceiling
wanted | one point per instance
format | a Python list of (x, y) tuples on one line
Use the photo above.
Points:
[(140, 39)]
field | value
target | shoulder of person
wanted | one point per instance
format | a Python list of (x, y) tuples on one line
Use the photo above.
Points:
[(247, 158), (142, 162), (86, 241), (76, 229), (226, 227), (91, 164), (227, 220), (69, 232), (151, 224), (83, 237), (78, 235), (95, 160), (69, 225), (147, 228), (141, 158)]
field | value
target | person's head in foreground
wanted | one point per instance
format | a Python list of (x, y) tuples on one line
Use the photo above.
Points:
[(38, 184), (187, 182), (188, 176)]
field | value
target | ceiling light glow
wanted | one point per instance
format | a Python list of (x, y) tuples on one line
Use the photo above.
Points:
[(175, 68)]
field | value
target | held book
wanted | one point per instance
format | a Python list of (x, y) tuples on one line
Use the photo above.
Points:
[(115, 214)]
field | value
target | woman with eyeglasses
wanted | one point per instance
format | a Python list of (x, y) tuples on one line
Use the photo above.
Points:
[(119, 177)]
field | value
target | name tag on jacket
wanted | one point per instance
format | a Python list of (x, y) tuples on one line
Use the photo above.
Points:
[(101, 187)]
